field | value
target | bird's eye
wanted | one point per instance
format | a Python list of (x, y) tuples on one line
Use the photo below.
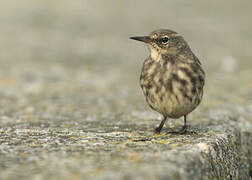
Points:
[(164, 40)]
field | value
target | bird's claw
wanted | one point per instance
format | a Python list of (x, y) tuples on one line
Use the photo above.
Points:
[(183, 130), (157, 130)]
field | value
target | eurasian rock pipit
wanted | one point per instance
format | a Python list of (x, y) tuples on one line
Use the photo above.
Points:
[(172, 78)]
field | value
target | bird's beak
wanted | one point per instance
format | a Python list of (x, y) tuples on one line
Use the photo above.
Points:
[(145, 39)]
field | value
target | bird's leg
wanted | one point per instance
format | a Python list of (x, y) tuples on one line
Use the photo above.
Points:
[(183, 130), (158, 129), (184, 127)]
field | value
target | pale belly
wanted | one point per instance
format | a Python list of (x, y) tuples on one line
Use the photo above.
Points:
[(171, 105)]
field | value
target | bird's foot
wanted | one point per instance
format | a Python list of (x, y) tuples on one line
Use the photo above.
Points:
[(183, 130), (157, 130)]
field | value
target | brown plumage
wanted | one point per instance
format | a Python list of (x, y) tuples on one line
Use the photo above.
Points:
[(172, 78)]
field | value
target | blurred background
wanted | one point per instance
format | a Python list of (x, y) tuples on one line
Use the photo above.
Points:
[(68, 56), (87, 42), (85, 45), (70, 66)]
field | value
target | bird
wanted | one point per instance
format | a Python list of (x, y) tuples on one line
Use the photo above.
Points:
[(172, 78)]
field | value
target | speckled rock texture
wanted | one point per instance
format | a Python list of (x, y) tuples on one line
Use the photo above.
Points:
[(70, 102)]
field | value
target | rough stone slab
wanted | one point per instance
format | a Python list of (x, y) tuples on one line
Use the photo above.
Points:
[(220, 150)]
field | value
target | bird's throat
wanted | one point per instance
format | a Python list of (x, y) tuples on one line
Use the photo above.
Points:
[(155, 54)]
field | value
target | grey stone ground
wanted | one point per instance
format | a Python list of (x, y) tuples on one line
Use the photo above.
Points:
[(71, 107)]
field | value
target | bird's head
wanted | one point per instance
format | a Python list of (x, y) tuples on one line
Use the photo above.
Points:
[(163, 42)]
